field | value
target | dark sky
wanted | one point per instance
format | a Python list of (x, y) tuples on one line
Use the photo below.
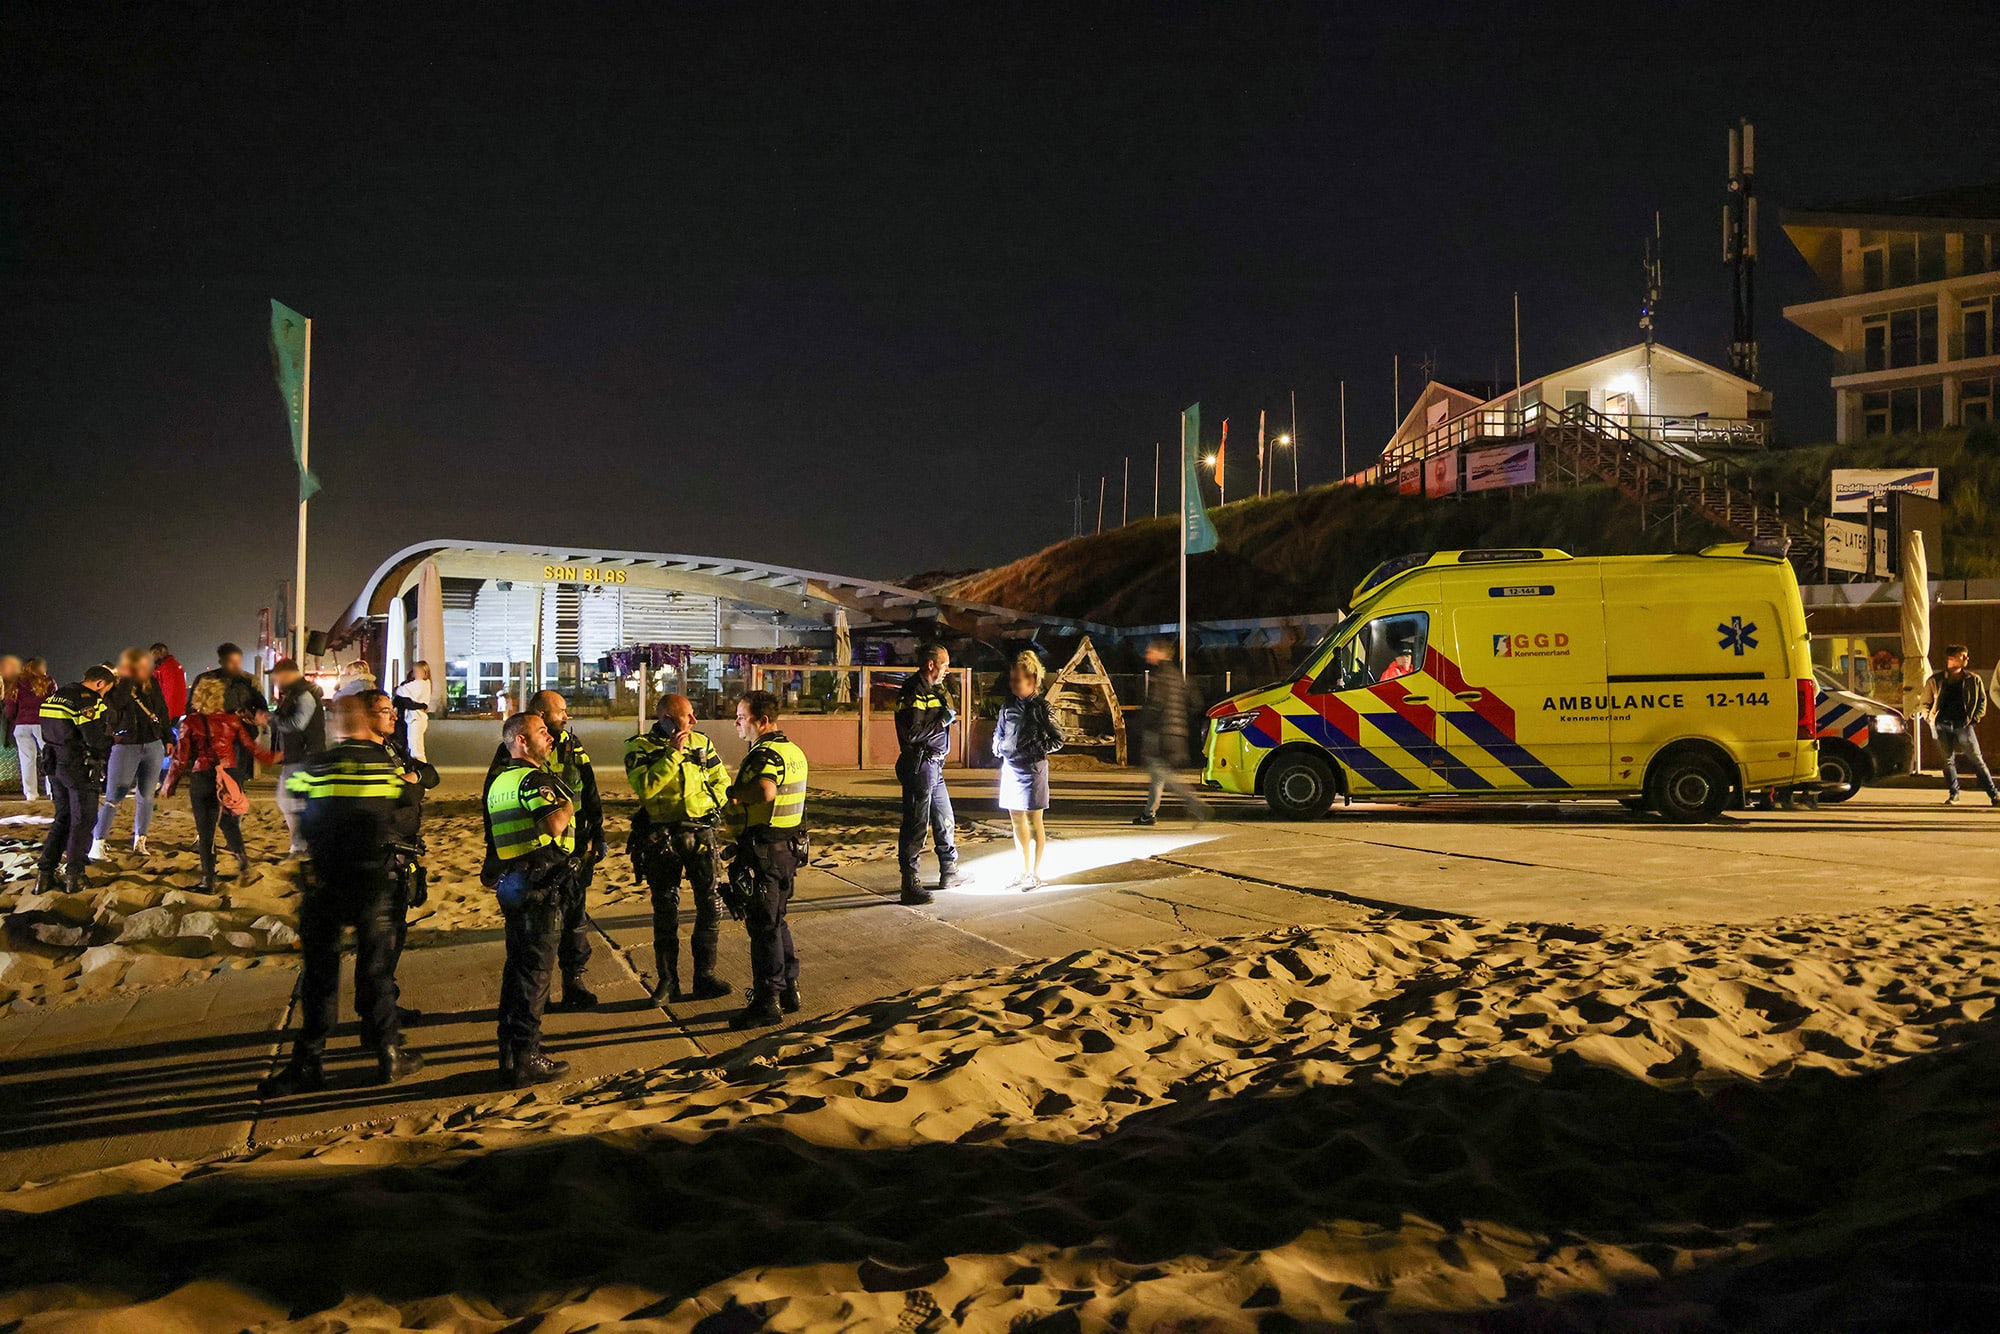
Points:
[(860, 288)]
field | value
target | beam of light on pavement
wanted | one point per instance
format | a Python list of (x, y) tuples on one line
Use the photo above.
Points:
[(1074, 863)]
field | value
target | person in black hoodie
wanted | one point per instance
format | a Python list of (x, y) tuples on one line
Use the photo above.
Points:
[(298, 723), (136, 717)]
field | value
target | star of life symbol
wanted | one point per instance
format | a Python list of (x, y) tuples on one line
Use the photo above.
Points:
[(1737, 635)]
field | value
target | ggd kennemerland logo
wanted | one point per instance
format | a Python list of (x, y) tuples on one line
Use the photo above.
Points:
[(1548, 644)]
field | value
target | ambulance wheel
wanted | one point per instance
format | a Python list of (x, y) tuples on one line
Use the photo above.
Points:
[(1839, 773), (1687, 787), (1299, 786)]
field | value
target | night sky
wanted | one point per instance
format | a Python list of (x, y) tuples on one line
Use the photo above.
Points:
[(859, 288)]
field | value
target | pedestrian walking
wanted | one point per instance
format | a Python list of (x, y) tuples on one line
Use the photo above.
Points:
[(531, 818), (78, 748), (10, 673), (212, 737), (22, 715), (571, 762), (924, 718), (240, 697), (1163, 733), (682, 787), (766, 812), (173, 679), (298, 726), (1955, 701), (352, 793), (413, 707), (136, 716), (1024, 736)]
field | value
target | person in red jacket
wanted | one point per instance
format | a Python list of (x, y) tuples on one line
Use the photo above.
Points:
[(206, 750), (173, 681)]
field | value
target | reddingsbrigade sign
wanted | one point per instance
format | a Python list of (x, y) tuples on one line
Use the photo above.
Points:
[(1853, 488)]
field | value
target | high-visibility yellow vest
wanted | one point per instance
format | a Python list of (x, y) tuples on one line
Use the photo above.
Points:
[(676, 786), (338, 776), (514, 809), (785, 765)]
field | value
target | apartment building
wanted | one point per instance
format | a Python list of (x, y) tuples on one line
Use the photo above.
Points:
[(1915, 285)]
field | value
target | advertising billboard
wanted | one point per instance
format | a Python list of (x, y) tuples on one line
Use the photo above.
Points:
[(1410, 479), (1853, 488), (1441, 474), (1502, 466), (1847, 548)]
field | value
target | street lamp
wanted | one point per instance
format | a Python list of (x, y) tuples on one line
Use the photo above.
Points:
[(1281, 442), (1212, 461)]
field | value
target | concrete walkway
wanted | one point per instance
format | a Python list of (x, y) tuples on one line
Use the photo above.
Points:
[(171, 1073)]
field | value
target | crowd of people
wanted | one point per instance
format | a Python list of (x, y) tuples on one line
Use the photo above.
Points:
[(352, 774)]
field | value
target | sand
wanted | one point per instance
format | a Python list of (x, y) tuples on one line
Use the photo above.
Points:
[(141, 924), (1411, 1125)]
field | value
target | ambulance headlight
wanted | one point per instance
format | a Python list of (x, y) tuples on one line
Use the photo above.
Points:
[(1886, 722), (1235, 722)]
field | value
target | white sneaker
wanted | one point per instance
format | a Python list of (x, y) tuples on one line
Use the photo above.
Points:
[(139, 847), (96, 850)]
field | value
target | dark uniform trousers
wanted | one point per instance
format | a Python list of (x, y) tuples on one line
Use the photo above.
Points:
[(774, 964), (534, 926), (671, 850), (573, 949), (926, 809), (363, 897), (76, 811)]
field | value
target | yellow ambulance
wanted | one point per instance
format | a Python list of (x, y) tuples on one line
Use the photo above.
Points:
[(1669, 682)]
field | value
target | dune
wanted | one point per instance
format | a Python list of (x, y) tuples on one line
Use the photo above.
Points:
[(1413, 1125)]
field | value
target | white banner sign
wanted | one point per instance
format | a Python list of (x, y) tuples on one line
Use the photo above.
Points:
[(1491, 469), (1854, 487), (1847, 547)]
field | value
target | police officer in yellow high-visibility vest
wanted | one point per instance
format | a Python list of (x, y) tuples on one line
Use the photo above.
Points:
[(78, 748), (531, 817), (767, 810), (682, 788)]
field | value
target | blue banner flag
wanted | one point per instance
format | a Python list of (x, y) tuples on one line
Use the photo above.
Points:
[(1198, 530), (288, 363)]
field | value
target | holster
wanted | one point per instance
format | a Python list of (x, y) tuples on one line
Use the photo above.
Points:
[(406, 865)]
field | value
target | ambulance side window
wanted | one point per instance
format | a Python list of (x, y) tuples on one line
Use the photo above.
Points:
[(1384, 649)]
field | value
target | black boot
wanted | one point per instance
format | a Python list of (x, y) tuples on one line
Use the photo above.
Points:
[(788, 999), (507, 1063), (302, 1074), (666, 967), (73, 881), (576, 996), (707, 986), (45, 880), (947, 876), (395, 1062), (914, 894), (761, 1012), (668, 988), (531, 1067)]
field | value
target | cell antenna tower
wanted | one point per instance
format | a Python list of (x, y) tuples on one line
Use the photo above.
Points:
[(1651, 306), (1739, 245)]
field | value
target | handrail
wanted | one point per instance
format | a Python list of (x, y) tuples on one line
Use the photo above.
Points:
[(1511, 423)]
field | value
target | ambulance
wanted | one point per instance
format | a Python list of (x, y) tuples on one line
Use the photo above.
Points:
[(1671, 683)]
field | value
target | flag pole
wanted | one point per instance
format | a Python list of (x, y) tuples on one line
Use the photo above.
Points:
[(1184, 542), (305, 462)]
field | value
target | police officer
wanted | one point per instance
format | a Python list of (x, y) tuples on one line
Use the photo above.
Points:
[(406, 825), (571, 763), (682, 787), (531, 818), (924, 717), (350, 792), (767, 810), (78, 747)]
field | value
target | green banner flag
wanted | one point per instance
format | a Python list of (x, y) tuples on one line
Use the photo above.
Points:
[(1200, 531), (288, 363)]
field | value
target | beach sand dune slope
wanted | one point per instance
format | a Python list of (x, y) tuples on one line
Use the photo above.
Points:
[(1415, 1126)]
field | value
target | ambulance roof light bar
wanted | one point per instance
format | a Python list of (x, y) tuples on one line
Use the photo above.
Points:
[(1397, 565)]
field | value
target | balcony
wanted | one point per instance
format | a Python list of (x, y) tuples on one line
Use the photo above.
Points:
[(1958, 347)]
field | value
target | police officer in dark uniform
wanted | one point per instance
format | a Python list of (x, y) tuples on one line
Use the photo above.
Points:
[(767, 809), (406, 826), (924, 716), (531, 820), (569, 761), (351, 793), (78, 747), (682, 789)]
